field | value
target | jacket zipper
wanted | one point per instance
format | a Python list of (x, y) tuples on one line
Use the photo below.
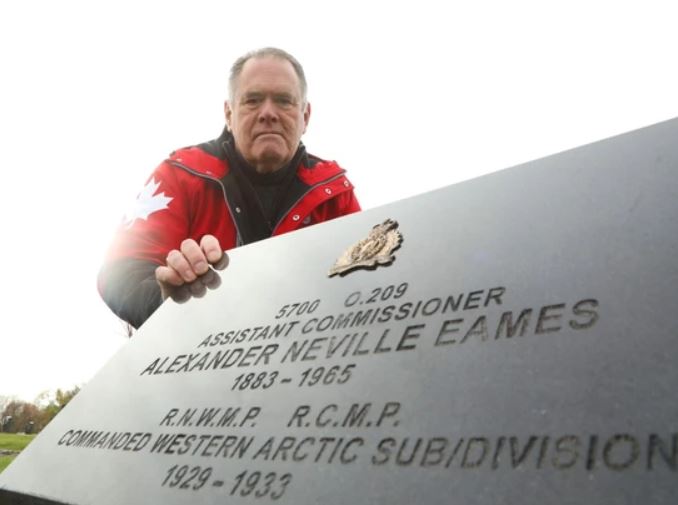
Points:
[(238, 238), (311, 188), (228, 204)]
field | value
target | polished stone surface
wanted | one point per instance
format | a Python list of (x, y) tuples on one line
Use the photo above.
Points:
[(520, 348)]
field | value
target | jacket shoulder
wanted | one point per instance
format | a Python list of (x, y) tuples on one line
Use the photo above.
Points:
[(198, 160), (315, 170)]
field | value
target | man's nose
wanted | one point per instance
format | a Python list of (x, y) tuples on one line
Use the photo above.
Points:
[(268, 111)]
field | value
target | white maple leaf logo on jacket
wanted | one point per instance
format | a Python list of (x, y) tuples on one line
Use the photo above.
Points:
[(147, 203)]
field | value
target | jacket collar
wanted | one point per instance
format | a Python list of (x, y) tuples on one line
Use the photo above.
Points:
[(214, 157)]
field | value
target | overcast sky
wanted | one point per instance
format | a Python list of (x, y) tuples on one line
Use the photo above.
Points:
[(407, 96)]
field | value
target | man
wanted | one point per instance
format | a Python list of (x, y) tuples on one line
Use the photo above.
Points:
[(254, 181)]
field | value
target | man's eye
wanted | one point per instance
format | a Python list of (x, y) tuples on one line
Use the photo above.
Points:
[(252, 100), (285, 101)]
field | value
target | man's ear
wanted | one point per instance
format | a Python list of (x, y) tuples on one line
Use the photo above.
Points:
[(227, 114), (307, 115)]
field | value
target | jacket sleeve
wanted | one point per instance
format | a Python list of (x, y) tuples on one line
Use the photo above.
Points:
[(155, 224), (129, 288), (351, 204), (344, 204), (157, 221)]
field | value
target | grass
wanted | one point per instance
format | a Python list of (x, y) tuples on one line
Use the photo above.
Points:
[(5, 461), (12, 442)]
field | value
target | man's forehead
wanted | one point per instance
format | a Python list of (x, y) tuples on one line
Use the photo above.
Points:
[(268, 73)]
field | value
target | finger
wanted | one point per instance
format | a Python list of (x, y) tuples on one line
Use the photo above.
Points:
[(178, 262), (195, 256), (189, 260), (211, 249), (167, 280), (168, 276)]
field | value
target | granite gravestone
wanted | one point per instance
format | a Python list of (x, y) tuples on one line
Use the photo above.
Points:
[(514, 343)]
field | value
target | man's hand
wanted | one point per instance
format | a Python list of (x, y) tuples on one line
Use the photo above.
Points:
[(187, 272)]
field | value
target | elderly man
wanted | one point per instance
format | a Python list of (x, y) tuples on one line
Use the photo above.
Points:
[(255, 181)]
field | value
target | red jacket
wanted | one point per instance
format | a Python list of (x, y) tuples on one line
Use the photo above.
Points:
[(192, 194)]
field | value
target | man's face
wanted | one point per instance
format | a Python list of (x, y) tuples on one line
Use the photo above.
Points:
[(267, 116)]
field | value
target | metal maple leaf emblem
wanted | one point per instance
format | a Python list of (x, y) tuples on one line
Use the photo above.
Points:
[(376, 249)]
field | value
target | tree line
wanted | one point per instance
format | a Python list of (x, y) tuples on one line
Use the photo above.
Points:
[(18, 416)]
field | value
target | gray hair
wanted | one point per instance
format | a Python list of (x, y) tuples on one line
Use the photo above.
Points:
[(237, 67)]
